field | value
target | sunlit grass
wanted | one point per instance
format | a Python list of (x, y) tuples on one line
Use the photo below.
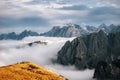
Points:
[(27, 71)]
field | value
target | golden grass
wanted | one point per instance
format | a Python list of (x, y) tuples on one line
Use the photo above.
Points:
[(27, 71)]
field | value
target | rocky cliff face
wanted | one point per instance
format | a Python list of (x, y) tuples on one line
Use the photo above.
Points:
[(87, 51), (107, 71)]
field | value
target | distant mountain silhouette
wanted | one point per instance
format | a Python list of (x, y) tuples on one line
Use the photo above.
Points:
[(20, 36), (74, 30), (69, 30)]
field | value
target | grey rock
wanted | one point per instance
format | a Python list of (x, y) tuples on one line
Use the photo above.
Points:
[(86, 51), (115, 28), (70, 30), (107, 71)]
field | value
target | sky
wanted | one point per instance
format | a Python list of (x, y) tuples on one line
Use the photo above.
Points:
[(42, 15)]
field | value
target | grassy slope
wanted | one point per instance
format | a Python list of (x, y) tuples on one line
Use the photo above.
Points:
[(27, 71)]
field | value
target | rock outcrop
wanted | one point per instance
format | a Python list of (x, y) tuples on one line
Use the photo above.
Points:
[(86, 51), (107, 71), (27, 71), (37, 42)]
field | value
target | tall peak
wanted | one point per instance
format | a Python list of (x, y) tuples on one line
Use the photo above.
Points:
[(103, 25), (101, 32)]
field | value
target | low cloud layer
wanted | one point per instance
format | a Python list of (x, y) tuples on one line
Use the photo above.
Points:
[(12, 51)]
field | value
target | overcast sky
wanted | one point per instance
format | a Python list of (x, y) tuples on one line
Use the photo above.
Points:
[(41, 15)]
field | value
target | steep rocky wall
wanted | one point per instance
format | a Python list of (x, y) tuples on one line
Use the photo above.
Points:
[(87, 51)]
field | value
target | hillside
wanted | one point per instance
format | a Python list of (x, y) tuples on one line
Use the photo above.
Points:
[(27, 71)]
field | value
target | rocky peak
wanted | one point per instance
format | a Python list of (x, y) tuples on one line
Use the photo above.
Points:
[(103, 25), (115, 29), (56, 27), (87, 51), (91, 29), (101, 32)]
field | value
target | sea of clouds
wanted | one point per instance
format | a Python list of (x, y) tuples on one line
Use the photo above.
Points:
[(13, 51)]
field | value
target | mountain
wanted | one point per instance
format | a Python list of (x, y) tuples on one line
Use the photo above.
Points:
[(116, 29), (74, 30), (27, 71), (26, 33), (11, 35), (107, 71), (20, 36), (86, 51), (91, 29), (69, 30), (104, 27)]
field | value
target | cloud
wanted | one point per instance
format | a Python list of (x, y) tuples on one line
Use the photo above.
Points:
[(40, 54), (115, 2), (75, 7), (94, 16), (26, 21), (106, 15), (105, 10), (71, 73), (52, 12)]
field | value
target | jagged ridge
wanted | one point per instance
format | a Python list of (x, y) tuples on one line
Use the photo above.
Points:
[(69, 30), (20, 36), (86, 51)]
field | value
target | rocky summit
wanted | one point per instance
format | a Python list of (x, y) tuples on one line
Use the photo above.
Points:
[(27, 71), (86, 51), (69, 30)]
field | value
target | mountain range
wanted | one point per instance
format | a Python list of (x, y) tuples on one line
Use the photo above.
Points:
[(99, 51), (20, 36), (68, 30), (74, 30), (86, 51)]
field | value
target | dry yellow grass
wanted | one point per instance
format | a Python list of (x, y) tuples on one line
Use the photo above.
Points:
[(27, 71)]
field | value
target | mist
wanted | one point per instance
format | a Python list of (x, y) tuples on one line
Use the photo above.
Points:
[(13, 51)]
